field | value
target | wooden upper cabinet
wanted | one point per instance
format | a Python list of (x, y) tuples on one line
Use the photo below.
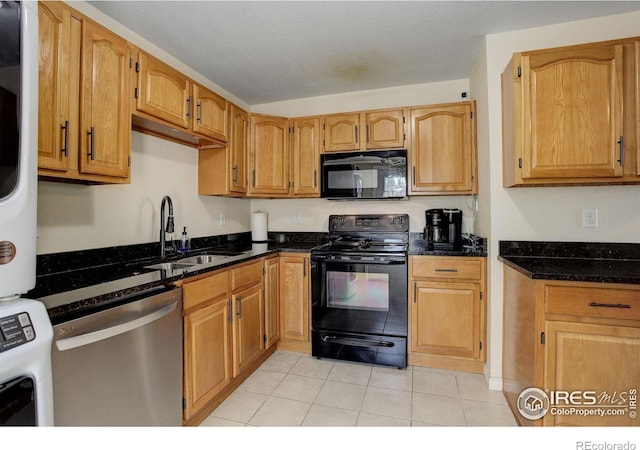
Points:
[(239, 149), (81, 63), (368, 130), (54, 121), (342, 132), (305, 156), (162, 91), (385, 129), (169, 104), (223, 171), (269, 156), (105, 132), (570, 115), (211, 114), (442, 152)]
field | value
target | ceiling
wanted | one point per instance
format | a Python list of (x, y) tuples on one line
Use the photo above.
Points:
[(266, 51)]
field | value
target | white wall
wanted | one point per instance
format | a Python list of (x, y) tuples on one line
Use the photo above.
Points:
[(76, 217), (542, 214)]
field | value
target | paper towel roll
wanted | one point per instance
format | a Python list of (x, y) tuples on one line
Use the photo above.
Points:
[(259, 226)]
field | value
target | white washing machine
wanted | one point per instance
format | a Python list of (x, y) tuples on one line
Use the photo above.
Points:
[(26, 388)]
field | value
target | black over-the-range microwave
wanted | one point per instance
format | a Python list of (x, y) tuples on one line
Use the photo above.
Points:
[(364, 175)]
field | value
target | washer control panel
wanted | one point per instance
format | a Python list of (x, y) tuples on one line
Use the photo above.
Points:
[(15, 330)]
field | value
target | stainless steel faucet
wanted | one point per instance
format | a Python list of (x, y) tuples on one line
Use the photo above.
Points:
[(168, 228)]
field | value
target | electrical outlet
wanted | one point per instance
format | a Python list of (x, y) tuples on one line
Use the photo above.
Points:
[(297, 217), (590, 218), (223, 218)]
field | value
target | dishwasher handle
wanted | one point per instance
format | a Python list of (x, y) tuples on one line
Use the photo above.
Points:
[(106, 333)]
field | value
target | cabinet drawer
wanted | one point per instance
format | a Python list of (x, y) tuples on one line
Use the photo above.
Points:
[(593, 301), (205, 289), (443, 267), (246, 275)]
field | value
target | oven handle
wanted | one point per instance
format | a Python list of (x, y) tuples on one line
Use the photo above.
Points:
[(356, 342), (326, 260)]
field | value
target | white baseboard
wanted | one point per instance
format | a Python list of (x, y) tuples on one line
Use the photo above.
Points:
[(495, 383)]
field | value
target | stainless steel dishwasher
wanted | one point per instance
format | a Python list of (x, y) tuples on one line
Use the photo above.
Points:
[(121, 366)]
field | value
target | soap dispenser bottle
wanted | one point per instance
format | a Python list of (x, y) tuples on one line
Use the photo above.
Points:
[(184, 241)]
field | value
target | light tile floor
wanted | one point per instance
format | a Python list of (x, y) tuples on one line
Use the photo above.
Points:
[(295, 389)]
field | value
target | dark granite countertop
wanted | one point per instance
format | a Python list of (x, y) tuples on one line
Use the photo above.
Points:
[(472, 245), (71, 284), (574, 261)]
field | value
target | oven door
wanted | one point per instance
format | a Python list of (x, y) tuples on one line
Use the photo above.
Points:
[(359, 308)]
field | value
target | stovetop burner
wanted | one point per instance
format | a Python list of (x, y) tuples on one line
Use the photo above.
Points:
[(377, 233)]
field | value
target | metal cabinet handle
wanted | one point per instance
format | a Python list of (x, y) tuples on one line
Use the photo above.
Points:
[(356, 134), (235, 173), (413, 177), (367, 133), (447, 270), (239, 301), (65, 135), (188, 107), (609, 305), (315, 178), (230, 318), (199, 112), (621, 143), (92, 135), (106, 333)]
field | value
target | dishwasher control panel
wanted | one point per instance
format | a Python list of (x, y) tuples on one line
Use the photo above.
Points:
[(16, 330)]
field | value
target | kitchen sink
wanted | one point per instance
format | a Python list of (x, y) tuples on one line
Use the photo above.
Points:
[(176, 265), (203, 259)]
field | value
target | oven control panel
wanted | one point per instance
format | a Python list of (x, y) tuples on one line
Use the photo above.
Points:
[(16, 330), (373, 223)]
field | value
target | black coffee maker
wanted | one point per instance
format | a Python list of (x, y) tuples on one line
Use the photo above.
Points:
[(444, 229)]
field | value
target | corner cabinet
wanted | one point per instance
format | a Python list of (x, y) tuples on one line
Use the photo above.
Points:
[(572, 336), (447, 312), (570, 115), (224, 171), (82, 63), (442, 153)]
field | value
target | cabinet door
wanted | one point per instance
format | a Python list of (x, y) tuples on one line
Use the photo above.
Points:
[(211, 116), (342, 132), (385, 129), (269, 161), (445, 319), (589, 357), (294, 298), (207, 354), (239, 148), (248, 327), (55, 125), (572, 105), (271, 301), (305, 157), (106, 119), (162, 91), (443, 149)]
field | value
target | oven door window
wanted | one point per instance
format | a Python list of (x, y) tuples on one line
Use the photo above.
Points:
[(358, 290), (9, 95)]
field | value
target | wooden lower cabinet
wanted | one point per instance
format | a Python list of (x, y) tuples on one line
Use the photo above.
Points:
[(447, 312), (271, 301), (572, 337), (207, 355), (295, 302), (224, 334)]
